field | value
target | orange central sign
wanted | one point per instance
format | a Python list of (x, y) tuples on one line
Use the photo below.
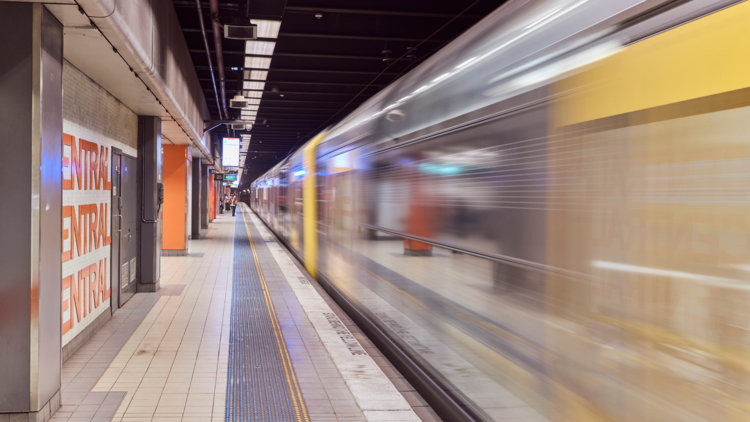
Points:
[(85, 229)]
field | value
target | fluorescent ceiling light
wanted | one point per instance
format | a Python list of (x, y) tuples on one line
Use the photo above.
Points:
[(254, 94), (251, 107), (254, 85), (267, 29), (263, 48), (253, 101), (258, 75), (257, 62)]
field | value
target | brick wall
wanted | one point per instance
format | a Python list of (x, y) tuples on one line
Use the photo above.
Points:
[(94, 122), (88, 106)]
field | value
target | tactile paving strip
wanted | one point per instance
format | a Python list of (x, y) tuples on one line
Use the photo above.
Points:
[(261, 383)]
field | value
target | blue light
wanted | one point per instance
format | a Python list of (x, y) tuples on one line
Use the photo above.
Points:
[(299, 173)]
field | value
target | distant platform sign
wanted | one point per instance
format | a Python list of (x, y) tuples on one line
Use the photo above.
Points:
[(226, 177), (230, 156)]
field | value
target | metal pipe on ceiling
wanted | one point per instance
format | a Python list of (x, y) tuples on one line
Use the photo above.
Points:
[(298, 82), (214, 9), (299, 9), (335, 36), (208, 52)]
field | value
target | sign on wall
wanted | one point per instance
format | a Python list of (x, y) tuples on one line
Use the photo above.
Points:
[(226, 177), (86, 233), (231, 152)]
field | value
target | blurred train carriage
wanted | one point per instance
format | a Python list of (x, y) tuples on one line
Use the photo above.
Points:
[(550, 216)]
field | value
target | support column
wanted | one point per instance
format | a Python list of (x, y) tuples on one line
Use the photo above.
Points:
[(195, 206), (216, 197), (204, 196), (175, 236), (31, 212), (211, 198), (149, 177)]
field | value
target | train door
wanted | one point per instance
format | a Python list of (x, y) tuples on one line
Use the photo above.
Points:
[(124, 229), (276, 215)]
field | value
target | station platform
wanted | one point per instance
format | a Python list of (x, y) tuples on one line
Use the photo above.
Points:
[(238, 332)]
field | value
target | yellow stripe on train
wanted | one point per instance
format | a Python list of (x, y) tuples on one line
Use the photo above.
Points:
[(310, 206)]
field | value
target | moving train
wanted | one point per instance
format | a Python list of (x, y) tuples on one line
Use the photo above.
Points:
[(550, 217)]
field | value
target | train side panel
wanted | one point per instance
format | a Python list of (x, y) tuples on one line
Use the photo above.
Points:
[(581, 253)]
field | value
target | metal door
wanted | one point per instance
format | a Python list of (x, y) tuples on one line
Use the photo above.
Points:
[(116, 223), (124, 220)]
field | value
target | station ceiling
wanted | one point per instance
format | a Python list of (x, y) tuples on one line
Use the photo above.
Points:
[(328, 58)]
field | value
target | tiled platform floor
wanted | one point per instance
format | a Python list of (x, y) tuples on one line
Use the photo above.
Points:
[(163, 356)]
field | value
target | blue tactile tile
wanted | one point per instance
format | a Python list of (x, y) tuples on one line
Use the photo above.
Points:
[(261, 385)]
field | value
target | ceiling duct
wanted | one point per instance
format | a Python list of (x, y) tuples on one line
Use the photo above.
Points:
[(238, 102), (241, 32)]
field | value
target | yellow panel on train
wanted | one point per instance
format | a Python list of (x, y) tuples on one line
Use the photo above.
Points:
[(705, 57), (659, 136)]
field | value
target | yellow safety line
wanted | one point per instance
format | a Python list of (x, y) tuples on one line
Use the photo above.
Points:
[(291, 378)]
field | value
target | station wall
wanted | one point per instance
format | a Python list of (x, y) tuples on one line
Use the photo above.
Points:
[(94, 122)]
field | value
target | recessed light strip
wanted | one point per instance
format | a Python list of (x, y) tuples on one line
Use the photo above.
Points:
[(259, 48), (267, 28), (254, 65)]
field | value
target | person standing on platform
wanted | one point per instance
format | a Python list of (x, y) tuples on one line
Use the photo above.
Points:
[(234, 203)]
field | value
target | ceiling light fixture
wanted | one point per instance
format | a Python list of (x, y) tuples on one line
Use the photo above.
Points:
[(266, 28), (263, 48), (258, 75), (411, 55), (259, 86), (257, 62)]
